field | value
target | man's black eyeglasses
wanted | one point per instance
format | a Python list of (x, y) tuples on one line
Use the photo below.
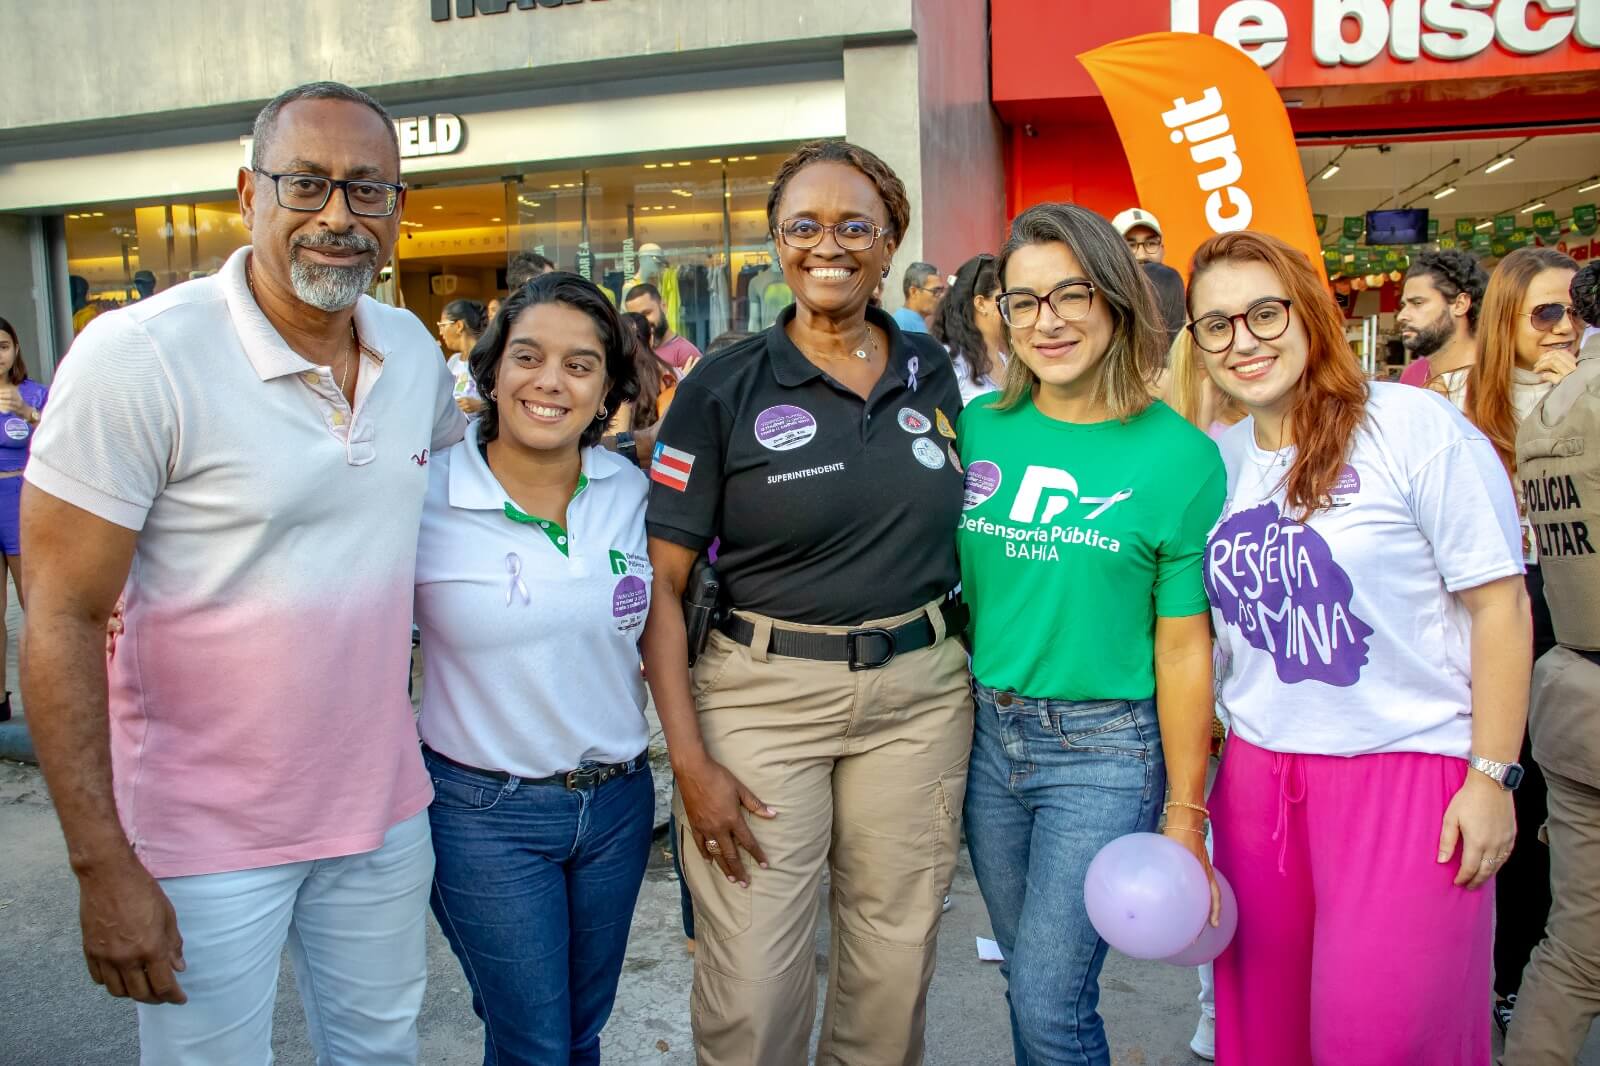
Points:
[(310, 192)]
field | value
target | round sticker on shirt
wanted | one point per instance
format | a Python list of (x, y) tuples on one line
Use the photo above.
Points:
[(785, 427), (928, 453), (629, 601), (913, 421), (16, 429), (983, 481)]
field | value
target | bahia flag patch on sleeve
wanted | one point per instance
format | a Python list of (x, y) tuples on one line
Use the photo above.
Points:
[(671, 468)]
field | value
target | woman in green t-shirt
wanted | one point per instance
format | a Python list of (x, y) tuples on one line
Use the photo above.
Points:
[(1086, 512)]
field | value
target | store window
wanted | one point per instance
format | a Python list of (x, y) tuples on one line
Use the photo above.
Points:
[(692, 224), (116, 255)]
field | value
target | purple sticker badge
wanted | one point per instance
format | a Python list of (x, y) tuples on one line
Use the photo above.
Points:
[(629, 600), (983, 481), (1277, 583), (785, 427), (16, 428), (1347, 482)]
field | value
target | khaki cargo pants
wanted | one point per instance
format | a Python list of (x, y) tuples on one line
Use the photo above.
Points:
[(867, 771)]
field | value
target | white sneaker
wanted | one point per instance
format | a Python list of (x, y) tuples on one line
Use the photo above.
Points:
[(1204, 1041), (946, 905)]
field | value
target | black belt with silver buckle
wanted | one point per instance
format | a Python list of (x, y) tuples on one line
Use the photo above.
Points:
[(586, 777), (870, 648)]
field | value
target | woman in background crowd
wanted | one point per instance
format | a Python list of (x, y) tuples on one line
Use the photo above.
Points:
[(967, 323), (21, 401), (460, 326), (1528, 338), (1367, 593), (657, 380)]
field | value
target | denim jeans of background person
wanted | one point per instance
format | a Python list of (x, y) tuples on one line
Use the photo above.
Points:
[(241, 457), (532, 588), (1085, 514)]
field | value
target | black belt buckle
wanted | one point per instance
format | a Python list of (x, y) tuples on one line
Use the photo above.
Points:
[(853, 648), (587, 778)]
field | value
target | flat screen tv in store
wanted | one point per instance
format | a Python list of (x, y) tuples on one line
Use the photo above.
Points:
[(1400, 226)]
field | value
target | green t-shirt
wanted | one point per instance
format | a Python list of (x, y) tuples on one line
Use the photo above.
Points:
[(1073, 538)]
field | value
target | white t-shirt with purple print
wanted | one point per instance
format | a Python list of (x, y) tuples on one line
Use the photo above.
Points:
[(1343, 635)]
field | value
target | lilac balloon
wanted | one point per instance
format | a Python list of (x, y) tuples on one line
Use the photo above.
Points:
[(1146, 895), (1212, 939)]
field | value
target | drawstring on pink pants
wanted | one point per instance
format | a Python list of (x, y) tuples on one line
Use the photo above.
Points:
[(1283, 766)]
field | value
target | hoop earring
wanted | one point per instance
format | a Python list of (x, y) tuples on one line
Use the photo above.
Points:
[(494, 395), (600, 415)]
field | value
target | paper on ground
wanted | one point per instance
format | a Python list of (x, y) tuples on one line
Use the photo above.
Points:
[(989, 951)]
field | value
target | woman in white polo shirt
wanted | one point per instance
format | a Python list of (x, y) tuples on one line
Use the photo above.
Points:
[(533, 585)]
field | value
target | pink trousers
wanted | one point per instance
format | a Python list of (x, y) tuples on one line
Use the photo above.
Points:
[(1354, 946)]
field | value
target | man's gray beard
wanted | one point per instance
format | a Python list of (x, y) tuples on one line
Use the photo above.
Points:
[(1431, 338), (330, 288)]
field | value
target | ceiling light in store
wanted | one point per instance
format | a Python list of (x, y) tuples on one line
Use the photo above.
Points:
[(102, 214), (1485, 224), (1448, 190), (685, 193), (1532, 207), (555, 185), (1499, 164), (407, 222), (569, 185), (649, 166), (438, 207), (672, 207), (1333, 168), (749, 159), (495, 219), (669, 166), (718, 160), (1591, 187), (683, 163)]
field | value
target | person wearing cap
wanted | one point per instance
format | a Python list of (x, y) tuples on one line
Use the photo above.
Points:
[(1142, 231), (1558, 467)]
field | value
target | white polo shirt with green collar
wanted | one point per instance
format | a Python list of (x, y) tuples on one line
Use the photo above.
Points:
[(530, 632)]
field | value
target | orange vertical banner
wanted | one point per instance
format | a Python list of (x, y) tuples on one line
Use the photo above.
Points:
[(1208, 140)]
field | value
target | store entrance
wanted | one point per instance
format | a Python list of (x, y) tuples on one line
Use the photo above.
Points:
[(1486, 194), (452, 246)]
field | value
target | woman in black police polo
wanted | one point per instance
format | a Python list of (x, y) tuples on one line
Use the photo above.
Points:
[(829, 721)]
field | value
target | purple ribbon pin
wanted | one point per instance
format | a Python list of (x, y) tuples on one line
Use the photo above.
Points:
[(516, 587), (911, 370)]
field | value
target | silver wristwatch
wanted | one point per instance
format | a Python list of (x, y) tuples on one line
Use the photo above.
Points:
[(1508, 775)]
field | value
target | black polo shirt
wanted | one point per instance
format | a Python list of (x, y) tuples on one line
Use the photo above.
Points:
[(831, 510)]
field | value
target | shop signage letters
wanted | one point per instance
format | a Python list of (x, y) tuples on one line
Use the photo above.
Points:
[(427, 135), (465, 9), (1407, 30)]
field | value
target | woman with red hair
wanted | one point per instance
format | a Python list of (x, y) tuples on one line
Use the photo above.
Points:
[(1366, 587)]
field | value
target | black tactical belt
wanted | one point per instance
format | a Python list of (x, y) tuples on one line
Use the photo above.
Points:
[(863, 649)]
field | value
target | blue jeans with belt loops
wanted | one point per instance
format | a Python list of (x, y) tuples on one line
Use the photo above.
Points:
[(534, 888), (1050, 783)]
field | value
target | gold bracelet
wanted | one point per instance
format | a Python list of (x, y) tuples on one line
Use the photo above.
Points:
[(1189, 806), (1184, 829)]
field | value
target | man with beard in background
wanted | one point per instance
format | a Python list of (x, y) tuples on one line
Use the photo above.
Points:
[(1438, 320), (677, 352), (243, 459)]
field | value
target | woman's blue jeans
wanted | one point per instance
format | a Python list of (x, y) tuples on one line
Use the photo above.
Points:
[(534, 887), (1050, 783)]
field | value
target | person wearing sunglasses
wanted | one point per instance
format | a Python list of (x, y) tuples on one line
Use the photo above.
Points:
[(827, 722), (1085, 514), (243, 459), (923, 288), (1527, 341), (1366, 592)]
